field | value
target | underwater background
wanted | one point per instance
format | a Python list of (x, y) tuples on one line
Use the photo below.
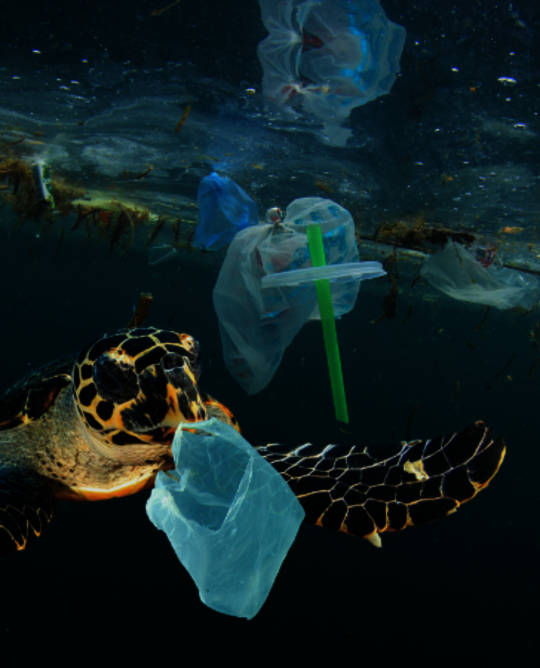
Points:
[(96, 90)]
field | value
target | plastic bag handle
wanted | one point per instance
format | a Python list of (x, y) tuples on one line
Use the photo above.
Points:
[(326, 308)]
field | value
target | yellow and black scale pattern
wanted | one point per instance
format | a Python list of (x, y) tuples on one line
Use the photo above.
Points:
[(365, 491), (146, 388), (100, 424)]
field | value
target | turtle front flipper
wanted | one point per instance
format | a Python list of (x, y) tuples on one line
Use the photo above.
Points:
[(27, 506), (365, 491)]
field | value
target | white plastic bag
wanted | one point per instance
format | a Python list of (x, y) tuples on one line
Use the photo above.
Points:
[(322, 59), (458, 274), (257, 325)]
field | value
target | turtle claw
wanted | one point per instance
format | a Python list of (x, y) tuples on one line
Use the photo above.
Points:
[(375, 539), (27, 506)]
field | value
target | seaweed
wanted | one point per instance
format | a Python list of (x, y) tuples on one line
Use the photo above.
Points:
[(390, 264), (175, 228), (119, 228), (114, 221), (483, 321), (157, 229), (81, 214), (183, 119), (499, 373), (418, 232), (409, 313), (23, 197), (64, 195), (389, 303), (323, 186), (135, 176), (190, 238)]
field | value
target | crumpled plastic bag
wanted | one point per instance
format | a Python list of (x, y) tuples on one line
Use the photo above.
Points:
[(225, 209), (258, 324), (230, 516), (322, 59), (458, 274)]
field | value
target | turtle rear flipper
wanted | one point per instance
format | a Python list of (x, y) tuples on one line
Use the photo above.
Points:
[(365, 491), (27, 506)]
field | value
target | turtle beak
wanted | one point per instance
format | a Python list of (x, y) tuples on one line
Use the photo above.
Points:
[(184, 400)]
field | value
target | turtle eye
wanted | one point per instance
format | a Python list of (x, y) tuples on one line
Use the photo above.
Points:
[(174, 366), (115, 380)]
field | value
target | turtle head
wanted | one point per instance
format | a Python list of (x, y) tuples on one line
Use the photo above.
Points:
[(137, 385)]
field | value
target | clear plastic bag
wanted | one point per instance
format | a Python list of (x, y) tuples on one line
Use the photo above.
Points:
[(225, 209), (258, 324), (323, 58), (229, 515), (458, 274)]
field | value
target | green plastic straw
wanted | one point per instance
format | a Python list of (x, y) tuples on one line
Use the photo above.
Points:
[(328, 321)]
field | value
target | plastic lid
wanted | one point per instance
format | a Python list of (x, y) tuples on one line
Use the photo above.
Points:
[(351, 271)]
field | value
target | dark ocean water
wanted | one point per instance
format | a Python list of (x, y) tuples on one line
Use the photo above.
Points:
[(464, 588), (101, 569)]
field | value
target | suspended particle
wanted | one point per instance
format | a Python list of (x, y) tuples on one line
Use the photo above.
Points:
[(507, 81)]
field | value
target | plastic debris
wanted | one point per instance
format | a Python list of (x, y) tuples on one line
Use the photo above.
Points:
[(458, 274), (41, 173), (321, 275), (225, 209), (229, 515), (161, 253), (257, 325), (274, 215), (356, 271), (322, 59)]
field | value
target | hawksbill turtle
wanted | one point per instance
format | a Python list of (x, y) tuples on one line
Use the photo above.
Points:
[(100, 424)]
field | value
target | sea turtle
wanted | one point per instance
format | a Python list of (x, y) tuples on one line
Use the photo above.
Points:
[(100, 424)]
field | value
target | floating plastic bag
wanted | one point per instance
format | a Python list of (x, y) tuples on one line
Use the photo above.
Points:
[(231, 518), (258, 324), (225, 209), (458, 274), (323, 58)]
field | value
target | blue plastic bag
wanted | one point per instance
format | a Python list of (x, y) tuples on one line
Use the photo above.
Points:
[(225, 209), (229, 515), (323, 58)]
